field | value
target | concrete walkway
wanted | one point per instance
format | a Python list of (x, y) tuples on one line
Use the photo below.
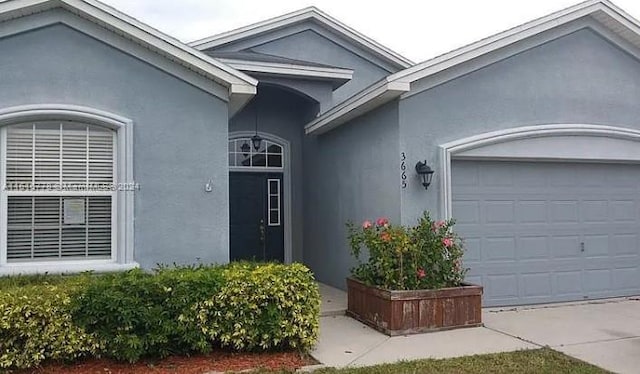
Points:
[(604, 333), (333, 302), (347, 342)]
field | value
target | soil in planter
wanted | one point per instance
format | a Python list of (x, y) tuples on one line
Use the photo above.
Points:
[(216, 361)]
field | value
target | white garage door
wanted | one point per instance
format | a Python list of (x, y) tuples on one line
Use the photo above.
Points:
[(547, 232)]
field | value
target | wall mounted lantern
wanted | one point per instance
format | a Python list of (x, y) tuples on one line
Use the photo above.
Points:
[(425, 172), (256, 140)]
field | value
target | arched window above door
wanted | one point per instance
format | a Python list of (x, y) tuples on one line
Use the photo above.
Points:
[(242, 154)]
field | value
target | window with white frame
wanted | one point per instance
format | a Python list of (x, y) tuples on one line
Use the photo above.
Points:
[(58, 191), (242, 154), (273, 192)]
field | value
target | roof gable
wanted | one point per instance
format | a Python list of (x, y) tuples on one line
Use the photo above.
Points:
[(602, 12), (309, 16), (240, 86)]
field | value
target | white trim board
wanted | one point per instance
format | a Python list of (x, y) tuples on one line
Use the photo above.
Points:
[(238, 84), (602, 12), (293, 70), (368, 99), (286, 182), (589, 143), (123, 254), (309, 13)]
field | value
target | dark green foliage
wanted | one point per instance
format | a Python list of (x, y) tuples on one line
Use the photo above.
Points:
[(177, 310), (181, 310)]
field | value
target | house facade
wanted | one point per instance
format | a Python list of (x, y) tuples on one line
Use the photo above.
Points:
[(123, 147)]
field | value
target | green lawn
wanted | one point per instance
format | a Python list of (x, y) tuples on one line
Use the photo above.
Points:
[(531, 361)]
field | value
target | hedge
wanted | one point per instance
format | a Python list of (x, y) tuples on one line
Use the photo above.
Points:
[(179, 310), (35, 325)]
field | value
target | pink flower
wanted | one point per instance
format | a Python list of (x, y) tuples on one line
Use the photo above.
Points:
[(385, 236), (437, 225), (382, 221), (366, 224), (420, 273), (447, 242)]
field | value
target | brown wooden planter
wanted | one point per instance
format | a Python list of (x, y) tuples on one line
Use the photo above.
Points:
[(412, 312)]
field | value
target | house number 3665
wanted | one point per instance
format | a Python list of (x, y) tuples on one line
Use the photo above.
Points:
[(403, 170)]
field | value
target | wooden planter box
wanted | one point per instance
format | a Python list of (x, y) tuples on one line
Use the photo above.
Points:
[(412, 312)]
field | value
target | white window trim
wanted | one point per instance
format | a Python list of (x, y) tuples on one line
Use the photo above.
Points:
[(252, 151), (286, 182), (455, 149), (122, 208), (270, 194)]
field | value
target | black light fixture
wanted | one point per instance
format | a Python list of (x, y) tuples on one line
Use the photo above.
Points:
[(245, 148), (425, 172), (256, 139)]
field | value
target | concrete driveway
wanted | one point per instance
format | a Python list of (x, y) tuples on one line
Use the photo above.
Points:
[(604, 333)]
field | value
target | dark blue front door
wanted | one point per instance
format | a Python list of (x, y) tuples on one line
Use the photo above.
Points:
[(256, 216)]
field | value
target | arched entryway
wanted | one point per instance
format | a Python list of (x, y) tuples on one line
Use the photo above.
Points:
[(259, 198)]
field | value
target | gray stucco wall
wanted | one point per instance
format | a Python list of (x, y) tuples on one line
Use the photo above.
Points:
[(303, 43), (320, 92), (351, 174), (580, 78), (310, 46), (180, 134), (284, 114)]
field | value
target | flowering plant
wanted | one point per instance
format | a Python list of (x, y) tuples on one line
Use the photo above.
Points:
[(425, 256)]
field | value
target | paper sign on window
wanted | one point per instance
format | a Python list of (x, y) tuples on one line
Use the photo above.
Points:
[(73, 211)]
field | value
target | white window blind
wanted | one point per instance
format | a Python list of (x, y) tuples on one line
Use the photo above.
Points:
[(59, 187)]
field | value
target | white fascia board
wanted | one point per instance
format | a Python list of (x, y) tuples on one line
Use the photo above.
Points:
[(289, 69), (300, 16), (373, 97), (597, 9), (194, 59), (138, 32)]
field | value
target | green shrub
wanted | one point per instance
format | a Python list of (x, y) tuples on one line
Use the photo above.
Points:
[(128, 315), (136, 313), (12, 281), (263, 307), (180, 310), (35, 325), (425, 256)]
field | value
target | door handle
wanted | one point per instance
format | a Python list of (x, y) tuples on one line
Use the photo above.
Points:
[(262, 231), (581, 246)]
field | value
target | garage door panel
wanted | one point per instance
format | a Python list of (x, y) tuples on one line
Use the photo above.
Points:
[(501, 286), (568, 284), (536, 284), (597, 280), (594, 211), (563, 211), (565, 247), (498, 211), (531, 211), (533, 247), (626, 278), (596, 245), (625, 244), (469, 211), (623, 211), (549, 232), (498, 249)]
